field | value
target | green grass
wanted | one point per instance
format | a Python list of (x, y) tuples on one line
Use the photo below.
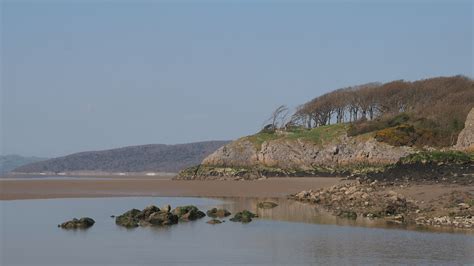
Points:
[(259, 138), (456, 157), (319, 135)]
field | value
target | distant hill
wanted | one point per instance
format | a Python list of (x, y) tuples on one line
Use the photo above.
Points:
[(144, 158), (10, 162)]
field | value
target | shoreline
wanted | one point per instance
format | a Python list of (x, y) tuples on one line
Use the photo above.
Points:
[(425, 195), (38, 188)]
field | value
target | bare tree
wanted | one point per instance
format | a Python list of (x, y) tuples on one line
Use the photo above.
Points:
[(278, 117), (438, 106)]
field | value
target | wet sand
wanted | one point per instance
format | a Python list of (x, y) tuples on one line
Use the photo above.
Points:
[(112, 187)]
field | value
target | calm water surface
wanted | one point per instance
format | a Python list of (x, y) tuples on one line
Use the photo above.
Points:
[(290, 234)]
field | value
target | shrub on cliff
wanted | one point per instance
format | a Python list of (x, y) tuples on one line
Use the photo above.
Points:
[(402, 135), (366, 126)]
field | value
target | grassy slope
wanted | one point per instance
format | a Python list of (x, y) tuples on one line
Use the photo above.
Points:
[(318, 136)]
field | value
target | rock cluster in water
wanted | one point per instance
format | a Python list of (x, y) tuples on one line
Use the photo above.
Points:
[(155, 216), (82, 223), (353, 199)]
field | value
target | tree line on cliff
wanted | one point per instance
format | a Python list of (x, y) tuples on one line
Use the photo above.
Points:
[(424, 112)]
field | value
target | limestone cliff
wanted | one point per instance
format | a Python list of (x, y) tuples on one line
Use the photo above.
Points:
[(466, 137), (305, 155), (325, 149)]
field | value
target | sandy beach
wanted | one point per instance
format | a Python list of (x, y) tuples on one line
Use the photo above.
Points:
[(86, 187), (113, 187)]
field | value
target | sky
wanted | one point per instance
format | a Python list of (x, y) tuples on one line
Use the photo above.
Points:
[(91, 75)]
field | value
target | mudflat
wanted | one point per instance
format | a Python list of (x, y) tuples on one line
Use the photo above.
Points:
[(113, 187)]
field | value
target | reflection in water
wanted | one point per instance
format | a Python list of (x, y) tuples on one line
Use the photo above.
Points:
[(296, 211), (291, 233)]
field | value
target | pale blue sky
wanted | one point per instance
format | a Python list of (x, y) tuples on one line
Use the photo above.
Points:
[(102, 74)]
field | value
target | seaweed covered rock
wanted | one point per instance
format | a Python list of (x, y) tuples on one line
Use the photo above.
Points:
[(267, 205), (188, 213), (244, 216), (129, 219), (429, 167), (149, 210), (162, 218), (218, 213), (82, 223)]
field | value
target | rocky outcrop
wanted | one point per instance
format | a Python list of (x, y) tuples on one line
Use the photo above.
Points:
[(237, 153), (83, 223), (466, 137), (293, 156), (304, 155)]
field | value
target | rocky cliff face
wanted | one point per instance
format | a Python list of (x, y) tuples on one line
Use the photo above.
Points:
[(330, 151), (466, 137), (304, 155)]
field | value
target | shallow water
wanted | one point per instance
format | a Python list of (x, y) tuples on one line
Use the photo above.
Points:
[(292, 233)]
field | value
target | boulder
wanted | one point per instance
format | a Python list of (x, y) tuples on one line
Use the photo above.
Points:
[(218, 213), (162, 218), (149, 210), (244, 216), (188, 213), (129, 218), (83, 223), (396, 204)]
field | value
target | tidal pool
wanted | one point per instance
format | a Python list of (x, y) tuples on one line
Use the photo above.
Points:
[(290, 234)]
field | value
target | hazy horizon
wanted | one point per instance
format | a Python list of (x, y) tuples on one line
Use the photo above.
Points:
[(91, 76)]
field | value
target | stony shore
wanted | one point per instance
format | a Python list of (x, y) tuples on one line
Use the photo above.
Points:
[(372, 199)]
